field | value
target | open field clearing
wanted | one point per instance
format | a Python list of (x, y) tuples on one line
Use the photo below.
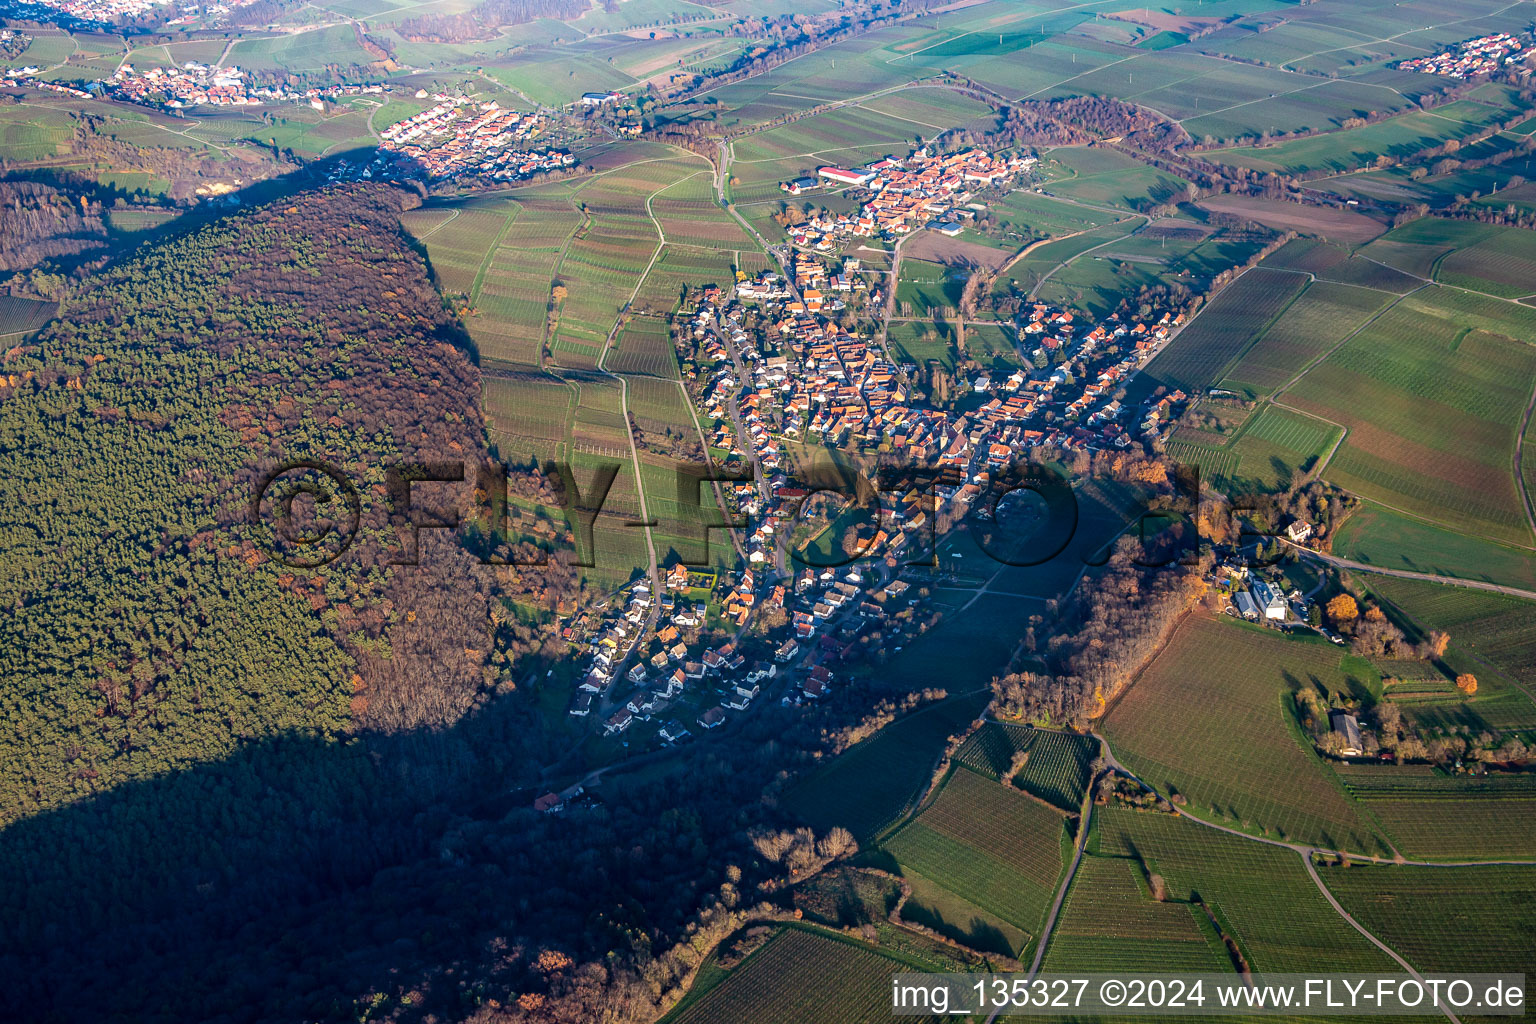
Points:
[(1438, 917), (924, 287), (1321, 317), (990, 846), (1026, 275), (800, 977), (1110, 922), (1109, 178), (1221, 330), (1430, 815), (1432, 392), (932, 247), (1212, 718), (1345, 150), (1336, 225), (1380, 536), (868, 788), (1260, 894), (934, 906)]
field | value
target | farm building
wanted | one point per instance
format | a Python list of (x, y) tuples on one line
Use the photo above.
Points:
[(949, 228), (1245, 606), (597, 99), (799, 185), (841, 176), (1346, 725)]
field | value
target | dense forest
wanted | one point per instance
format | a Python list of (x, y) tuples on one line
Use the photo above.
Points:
[(238, 789), (38, 221)]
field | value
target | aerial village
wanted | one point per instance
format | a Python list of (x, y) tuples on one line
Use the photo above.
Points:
[(771, 369), (100, 11), (193, 85), (458, 136), (1481, 56), (902, 195)]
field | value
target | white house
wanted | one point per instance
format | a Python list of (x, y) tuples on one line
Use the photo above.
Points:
[(1270, 602)]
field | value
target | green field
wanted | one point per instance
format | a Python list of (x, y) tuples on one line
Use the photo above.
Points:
[(1110, 922), (868, 788), (800, 976), (1260, 894), (1222, 329), (1430, 815), (1432, 393), (994, 848), (1441, 919), (1057, 769), (1322, 316), (1379, 536), (1211, 718)]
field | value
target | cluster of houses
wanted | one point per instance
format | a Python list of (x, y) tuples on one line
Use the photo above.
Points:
[(1257, 599), (190, 85), (674, 667), (903, 195), (198, 85), (12, 78), (456, 136), (1481, 56), (98, 10)]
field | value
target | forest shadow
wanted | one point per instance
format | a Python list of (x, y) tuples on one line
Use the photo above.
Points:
[(300, 872)]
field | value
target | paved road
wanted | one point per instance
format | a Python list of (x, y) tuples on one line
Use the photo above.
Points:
[(1409, 574)]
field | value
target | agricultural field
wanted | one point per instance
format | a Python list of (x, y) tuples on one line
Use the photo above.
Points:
[(1322, 316), (1212, 718), (1110, 922), (1492, 636), (990, 846), (1104, 177), (924, 288), (1057, 768), (1272, 449), (869, 788), (1437, 918), (1432, 393), (1260, 894), (1348, 149), (1430, 815), (1379, 536), (21, 316), (1222, 329), (800, 976)]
